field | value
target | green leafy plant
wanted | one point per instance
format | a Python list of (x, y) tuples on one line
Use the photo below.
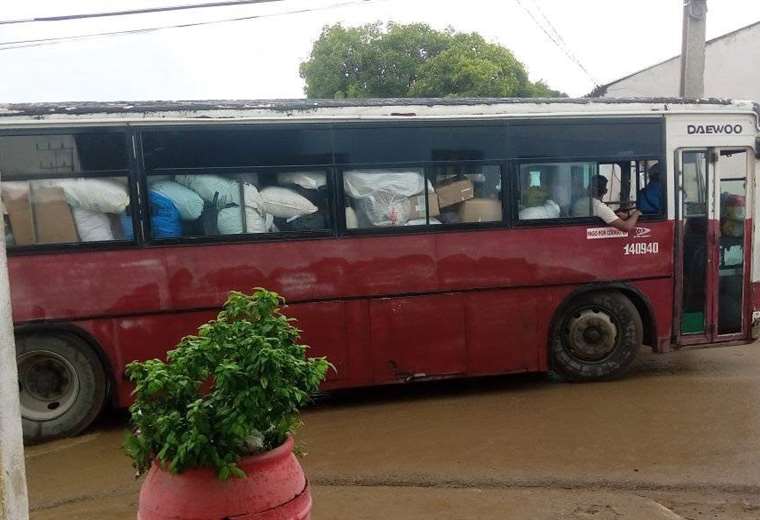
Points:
[(232, 390)]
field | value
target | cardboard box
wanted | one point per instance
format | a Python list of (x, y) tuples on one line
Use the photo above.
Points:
[(53, 221), (480, 210), (19, 211), (418, 206), (454, 192)]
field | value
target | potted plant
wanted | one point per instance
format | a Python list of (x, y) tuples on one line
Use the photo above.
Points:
[(213, 424)]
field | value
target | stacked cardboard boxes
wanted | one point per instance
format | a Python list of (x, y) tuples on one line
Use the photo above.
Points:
[(39, 216)]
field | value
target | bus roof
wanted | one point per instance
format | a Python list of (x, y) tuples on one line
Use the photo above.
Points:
[(144, 112)]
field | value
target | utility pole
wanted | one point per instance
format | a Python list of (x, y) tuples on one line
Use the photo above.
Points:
[(14, 504), (693, 49)]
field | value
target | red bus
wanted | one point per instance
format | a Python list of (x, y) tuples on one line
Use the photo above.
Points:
[(412, 239)]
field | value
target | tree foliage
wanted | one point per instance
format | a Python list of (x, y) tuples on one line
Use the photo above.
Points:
[(397, 61), (232, 389)]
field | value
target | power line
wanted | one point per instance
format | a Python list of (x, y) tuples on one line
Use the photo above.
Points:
[(65, 17), (566, 47), (20, 44), (557, 40)]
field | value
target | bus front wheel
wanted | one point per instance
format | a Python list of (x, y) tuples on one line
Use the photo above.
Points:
[(596, 337), (62, 385)]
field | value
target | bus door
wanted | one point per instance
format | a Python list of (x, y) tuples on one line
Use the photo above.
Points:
[(712, 244)]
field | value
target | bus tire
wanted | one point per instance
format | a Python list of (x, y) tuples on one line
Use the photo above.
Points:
[(596, 337), (62, 385)]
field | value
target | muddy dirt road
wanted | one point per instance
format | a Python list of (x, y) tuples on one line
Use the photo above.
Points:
[(678, 438)]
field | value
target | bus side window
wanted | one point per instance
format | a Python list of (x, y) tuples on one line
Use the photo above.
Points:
[(465, 194), (554, 190), (241, 203), (65, 188), (385, 197)]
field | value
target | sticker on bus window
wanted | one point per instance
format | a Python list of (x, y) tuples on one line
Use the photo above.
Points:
[(604, 232)]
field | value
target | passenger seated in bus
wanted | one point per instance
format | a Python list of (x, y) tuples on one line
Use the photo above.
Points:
[(649, 198), (622, 220)]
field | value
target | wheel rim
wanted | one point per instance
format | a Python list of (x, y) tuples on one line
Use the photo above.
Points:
[(48, 385), (591, 335)]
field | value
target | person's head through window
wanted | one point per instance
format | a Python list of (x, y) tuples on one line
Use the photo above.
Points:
[(598, 186), (650, 196), (653, 173)]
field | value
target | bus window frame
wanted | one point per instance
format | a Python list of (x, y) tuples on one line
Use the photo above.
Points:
[(329, 232), (573, 221), (425, 166), (129, 173)]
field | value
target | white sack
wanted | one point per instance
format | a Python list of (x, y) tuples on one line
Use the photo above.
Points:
[(92, 226), (365, 183), (229, 189), (306, 180), (15, 189), (421, 222), (250, 178), (285, 203), (252, 197), (229, 221), (351, 221), (550, 209), (188, 203), (152, 179), (209, 186), (103, 195)]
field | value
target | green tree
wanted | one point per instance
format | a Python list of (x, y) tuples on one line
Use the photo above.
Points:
[(413, 61)]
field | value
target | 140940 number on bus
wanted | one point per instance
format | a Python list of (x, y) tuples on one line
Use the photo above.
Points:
[(642, 248)]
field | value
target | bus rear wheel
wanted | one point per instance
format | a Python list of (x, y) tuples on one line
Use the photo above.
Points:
[(597, 337), (62, 385)]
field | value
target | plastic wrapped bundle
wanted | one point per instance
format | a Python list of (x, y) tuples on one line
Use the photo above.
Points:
[(92, 226), (385, 209), (360, 184)]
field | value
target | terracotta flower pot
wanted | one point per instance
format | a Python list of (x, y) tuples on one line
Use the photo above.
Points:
[(275, 489)]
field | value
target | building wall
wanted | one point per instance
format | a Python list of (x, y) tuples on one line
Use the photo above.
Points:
[(731, 71)]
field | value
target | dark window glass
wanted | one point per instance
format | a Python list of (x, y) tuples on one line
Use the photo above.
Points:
[(419, 144), (586, 139), (61, 154), (249, 147)]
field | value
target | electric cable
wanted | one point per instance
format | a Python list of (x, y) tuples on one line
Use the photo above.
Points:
[(65, 17), (562, 41), (554, 39), (20, 44)]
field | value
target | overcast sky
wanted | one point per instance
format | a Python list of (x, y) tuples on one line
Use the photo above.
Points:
[(259, 58)]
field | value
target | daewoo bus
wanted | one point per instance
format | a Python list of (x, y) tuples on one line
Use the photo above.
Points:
[(412, 239)]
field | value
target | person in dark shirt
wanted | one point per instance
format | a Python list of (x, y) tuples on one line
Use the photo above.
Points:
[(649, 198)]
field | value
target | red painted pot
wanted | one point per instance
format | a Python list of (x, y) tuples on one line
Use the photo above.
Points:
[(275, 489)]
